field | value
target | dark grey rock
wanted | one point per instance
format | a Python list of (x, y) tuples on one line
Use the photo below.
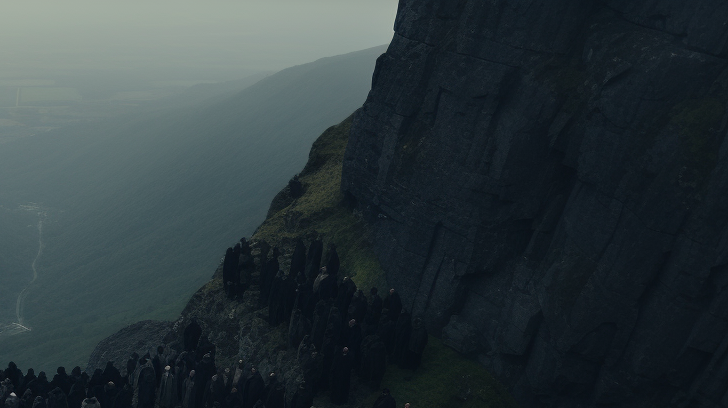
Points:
[(554, 172), (459, 335), (140, 338)]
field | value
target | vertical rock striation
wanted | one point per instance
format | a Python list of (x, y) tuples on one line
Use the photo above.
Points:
[(555, 173)]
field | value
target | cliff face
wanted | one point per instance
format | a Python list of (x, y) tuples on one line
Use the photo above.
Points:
[(555, 173)]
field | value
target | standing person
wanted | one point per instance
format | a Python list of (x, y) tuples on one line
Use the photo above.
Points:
[(341, 377), (188, 389), (167, 389)]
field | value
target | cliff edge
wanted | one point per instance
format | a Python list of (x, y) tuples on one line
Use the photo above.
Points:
[(553, 173)]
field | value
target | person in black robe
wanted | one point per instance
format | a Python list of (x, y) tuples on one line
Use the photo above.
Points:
[(229, 264), (341, 377), (401, 337), (253, 389), (192, 334), (234, 399), (393, 303), (358, 306), (352, 338), (96, 384), (374, 312), (27, 399), (131, 367), (275, 393), (385, 400), (214, 392), (298, 260), (318, 326), (267, 275), (385, 331), (40, 386), (145, 384), (111, 393), (303, 397), (77, 393), (14, 374), (167, 394), (112, 374), (332, 264), (276, 300), (313, 259), (204, 370), (328, 350), (189, 391), (416, 346), (345, 292), (30, 376)]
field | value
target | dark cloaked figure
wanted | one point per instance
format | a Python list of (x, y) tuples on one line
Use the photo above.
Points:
[(332, 264), (229, 267), (40, 386), (313, 259), (30, 376), (341, 377), (131, 367), (401, 337), (253, 389), (13, 374), (276, 300), (393, 303), (167, 395), (189, 391), (385, 400), (77, 393), (145, 385), (111, 374), (61, 380), (275, 393), (268, 272), (416, 346), (234, 399), (214, 392), (298, 260), (192, 334), (303, 397)]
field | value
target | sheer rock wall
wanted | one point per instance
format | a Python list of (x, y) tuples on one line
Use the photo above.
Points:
[(555, 173)]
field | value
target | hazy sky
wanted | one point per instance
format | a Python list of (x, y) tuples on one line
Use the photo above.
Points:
[(183, 39)]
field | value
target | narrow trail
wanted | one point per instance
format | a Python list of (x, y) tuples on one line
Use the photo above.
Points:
[(24, 292)]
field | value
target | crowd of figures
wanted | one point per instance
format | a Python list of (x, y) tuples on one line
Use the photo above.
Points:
[(337, 330)]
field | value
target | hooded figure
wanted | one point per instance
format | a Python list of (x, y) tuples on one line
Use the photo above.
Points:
[(167, 389), (61, 381), (144, 385), (111, 373), (253, 389), (341, 377), (40, 386), (188, 398)]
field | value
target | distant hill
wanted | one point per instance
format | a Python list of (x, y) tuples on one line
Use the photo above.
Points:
[(137, 208)]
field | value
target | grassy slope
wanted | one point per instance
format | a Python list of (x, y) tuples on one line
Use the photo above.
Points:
[(445, 379), (139, 207)]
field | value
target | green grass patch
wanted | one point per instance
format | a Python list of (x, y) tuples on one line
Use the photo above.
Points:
[(320, 212), (445, 379)]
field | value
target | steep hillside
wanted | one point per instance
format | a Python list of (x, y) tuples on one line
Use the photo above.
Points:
[(554, 173), (239, 330), (136, 207)]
